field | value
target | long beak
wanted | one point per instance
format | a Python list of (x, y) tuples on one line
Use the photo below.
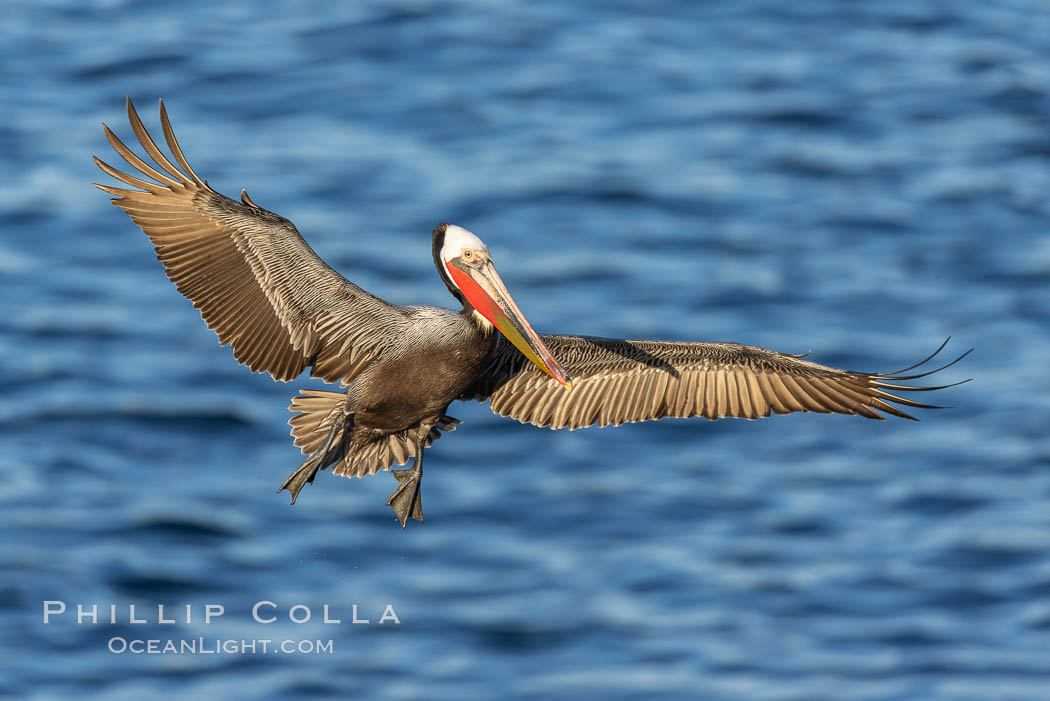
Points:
[(486, 292)]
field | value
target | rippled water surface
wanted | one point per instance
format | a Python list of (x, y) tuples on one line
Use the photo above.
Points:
[(859, 180)]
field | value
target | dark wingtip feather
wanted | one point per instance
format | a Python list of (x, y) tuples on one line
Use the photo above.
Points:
[(928, 358), (898, 376), (909, 388)]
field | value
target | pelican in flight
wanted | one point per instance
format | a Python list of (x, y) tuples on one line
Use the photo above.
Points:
[(265, 292)]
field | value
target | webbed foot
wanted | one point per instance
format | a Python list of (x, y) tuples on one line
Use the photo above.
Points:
[(303, 475), (405, 500)]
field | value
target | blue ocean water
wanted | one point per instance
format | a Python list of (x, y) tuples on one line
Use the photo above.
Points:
[(862, 180)]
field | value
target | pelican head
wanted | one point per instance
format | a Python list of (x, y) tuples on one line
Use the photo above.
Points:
[(467, 269)]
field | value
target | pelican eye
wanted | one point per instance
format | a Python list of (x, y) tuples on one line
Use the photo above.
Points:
[(468, 254)]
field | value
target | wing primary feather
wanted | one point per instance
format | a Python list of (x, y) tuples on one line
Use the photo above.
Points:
[(910, 388), (924, 361), (906, 402), (928, 358), (854, 397), (829, 399), (890, 409), (786, 398), (771, 396), (802, 395), (129, 179), (173, 144), (898, 376), (136, 162), (118, 191), (151, 147)]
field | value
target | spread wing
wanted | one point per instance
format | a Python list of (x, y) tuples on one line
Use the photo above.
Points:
[(256, 282), (617, 381)]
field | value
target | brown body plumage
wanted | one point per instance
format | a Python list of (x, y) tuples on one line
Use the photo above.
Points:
[(264, 291)]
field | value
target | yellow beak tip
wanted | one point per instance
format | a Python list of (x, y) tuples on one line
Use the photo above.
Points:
[(568, 385)]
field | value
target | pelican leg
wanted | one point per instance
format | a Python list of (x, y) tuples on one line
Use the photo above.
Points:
[(305, 473), (405, 500)]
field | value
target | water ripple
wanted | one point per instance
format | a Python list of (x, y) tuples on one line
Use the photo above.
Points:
[(859, 180)]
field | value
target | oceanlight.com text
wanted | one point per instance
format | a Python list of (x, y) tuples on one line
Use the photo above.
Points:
[(217, 646)]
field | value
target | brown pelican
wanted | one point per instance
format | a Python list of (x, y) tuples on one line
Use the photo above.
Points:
[(264, 291)]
